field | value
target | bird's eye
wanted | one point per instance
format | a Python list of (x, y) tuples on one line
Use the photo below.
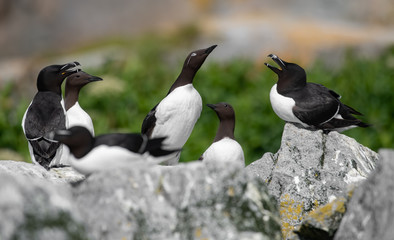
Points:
[(225, 105), (77, 76), (194, 54)]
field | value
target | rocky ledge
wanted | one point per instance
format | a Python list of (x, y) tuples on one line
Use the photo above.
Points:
[(317, 186)]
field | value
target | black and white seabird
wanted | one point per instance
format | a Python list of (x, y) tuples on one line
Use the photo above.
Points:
[(224, 147), (176, 115), (76, 116), (310, 104), (92, 154), (46, 113)]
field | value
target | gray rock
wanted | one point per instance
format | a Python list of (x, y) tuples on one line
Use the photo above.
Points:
[(16, 168), (189, 201), (68, 174), (34, 208), (323, 222), (310, 169), (371, 209)]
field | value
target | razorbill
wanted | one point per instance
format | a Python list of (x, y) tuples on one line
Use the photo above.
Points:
[(46, 113), (176, 115), (224, 147), (76, 116), (91, 154), (309, 104)]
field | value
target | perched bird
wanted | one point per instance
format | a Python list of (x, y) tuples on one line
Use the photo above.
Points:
[(92, 154), (224, 147), (309, 104), (76, 116), (46, 113), (176, 115)]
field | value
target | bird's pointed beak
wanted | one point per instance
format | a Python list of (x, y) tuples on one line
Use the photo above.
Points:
[(95, 79), (213, 106), (279, 61), (71, 67), (210, 49)]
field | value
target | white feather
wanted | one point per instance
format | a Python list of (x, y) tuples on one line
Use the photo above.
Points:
[(76, 116), (283, 106), (103, 157), (176, 116), (225, 150)]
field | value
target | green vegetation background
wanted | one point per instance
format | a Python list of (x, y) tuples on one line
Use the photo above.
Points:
[(132, 86)]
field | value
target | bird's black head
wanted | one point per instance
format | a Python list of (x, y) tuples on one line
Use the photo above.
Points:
[(224, 110), (226, 116), (78, 139), (80, 79), (51, 77), (196, 58), (290, 75)]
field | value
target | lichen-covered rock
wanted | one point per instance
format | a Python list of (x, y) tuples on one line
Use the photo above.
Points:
[(311, 169), (34, 208), (189, 201), (322, 222), (370, 213)]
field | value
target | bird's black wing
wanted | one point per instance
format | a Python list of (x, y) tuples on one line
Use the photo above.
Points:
[(130, 141), (44, 115), (134, 142), (149, 122), (316, 104)]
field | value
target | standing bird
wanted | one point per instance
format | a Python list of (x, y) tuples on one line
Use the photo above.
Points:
[(46, 113), (76, 116), (175, 116), (92, 154), (224, 147), (310, 104)]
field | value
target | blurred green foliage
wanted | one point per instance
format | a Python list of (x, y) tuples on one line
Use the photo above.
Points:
[(132, 86)]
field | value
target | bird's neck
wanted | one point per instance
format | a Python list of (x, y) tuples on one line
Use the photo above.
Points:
[(226, 129), (288, 86), (71, 96), (184, 78), (81, 150)]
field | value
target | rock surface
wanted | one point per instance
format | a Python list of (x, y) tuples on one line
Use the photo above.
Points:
[(189, 201), (16, 168), (371, 209), (33, 208), (310, 170)]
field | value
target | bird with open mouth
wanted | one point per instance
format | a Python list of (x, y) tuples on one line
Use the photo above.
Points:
[(312, 105)]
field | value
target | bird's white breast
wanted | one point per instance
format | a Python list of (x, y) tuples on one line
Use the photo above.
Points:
[(176, 116), (76, 116), (225, 150), (105, 157), (283, 106)]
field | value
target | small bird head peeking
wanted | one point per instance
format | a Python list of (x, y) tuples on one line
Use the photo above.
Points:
[(78, 139), (196, 58), (224, 110), (51, 77), (74, 83), (290, 75), (80, 79), (226, 115)]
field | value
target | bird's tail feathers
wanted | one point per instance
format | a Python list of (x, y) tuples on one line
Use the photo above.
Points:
[(352, 110), (44, 151)]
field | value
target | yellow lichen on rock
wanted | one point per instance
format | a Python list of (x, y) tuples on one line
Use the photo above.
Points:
[(291, 213)]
